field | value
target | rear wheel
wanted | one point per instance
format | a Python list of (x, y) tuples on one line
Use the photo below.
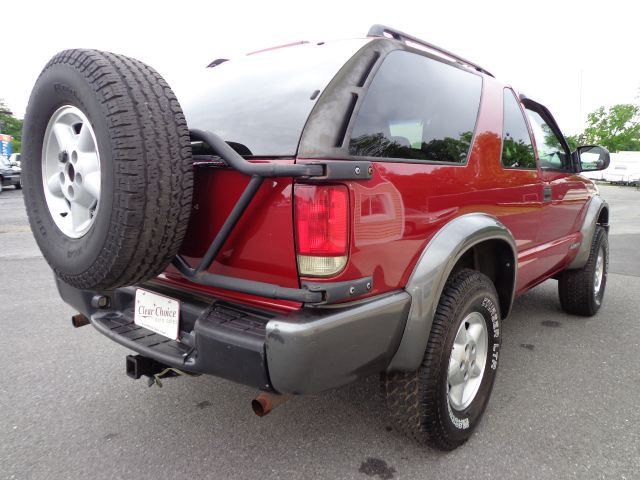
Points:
[(442, 402), (581, 291), (107, 169)]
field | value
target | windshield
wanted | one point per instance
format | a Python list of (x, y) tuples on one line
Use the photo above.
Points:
[(260, 103)]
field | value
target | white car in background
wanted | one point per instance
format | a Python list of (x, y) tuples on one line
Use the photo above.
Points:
[(624, 168)]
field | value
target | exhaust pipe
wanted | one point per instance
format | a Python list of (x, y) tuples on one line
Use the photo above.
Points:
[(79, 320), (266, 401)]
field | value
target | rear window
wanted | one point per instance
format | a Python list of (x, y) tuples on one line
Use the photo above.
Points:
[(418, 108), (260, 103)]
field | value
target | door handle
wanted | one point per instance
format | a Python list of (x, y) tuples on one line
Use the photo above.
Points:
[(546, 192)]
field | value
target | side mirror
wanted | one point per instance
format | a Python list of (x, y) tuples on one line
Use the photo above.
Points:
[(592, 158)]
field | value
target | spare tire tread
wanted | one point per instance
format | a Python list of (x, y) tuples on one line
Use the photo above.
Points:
[(153, 178)]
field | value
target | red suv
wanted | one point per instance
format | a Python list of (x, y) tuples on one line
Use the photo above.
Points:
[(333, 210)]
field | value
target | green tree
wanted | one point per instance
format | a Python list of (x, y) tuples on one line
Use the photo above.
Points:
[(573, 141), (10, 125), (617, 128), (439, 150)]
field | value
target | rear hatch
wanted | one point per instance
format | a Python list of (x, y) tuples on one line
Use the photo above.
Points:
[(259, 105)]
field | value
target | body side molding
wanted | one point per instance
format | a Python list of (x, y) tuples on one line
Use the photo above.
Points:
[(430, 275)]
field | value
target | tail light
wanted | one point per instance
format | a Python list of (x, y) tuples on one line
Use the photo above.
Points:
[(322, 229)]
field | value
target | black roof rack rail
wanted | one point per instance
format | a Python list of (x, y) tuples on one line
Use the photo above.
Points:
[(380, 31), (217, 62)]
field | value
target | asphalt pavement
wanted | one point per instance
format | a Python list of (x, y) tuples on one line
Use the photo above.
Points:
[(565, 402)]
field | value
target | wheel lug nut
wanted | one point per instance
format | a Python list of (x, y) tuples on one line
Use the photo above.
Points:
[(63, 156)]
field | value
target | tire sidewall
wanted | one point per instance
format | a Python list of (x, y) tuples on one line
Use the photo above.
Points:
[(57, 86), (458, 425), (600, 244)]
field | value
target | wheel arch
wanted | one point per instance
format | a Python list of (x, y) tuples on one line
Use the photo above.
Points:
[(597, 214), (493, 257), (476, 240), (603, 217)]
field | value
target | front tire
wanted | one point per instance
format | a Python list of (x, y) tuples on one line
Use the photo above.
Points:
[(442, 402), (581, 291)]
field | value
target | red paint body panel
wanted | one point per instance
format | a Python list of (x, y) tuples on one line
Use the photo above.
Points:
[(415, 200), (394, 215), (260, 248)]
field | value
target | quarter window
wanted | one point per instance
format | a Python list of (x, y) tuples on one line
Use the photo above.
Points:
[(517, 149), (417, 108)]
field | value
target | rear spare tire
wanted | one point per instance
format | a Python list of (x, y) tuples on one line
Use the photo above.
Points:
[(107, 170)]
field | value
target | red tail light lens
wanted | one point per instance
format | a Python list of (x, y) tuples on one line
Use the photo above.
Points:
[(321, 219)]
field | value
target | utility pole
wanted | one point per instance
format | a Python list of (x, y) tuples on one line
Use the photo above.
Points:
[(580, 120)]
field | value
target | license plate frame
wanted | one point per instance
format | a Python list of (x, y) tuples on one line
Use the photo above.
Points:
[(158, 313)]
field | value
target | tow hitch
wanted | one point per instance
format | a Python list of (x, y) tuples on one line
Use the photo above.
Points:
[(138, 366)]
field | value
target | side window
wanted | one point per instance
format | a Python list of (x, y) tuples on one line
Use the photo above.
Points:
[(552, 155), (517, 149), (417, 108)]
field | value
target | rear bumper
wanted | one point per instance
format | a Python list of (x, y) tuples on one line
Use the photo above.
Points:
[(306, 351), (11, 179)]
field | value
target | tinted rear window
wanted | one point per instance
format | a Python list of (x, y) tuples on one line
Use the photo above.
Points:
[(261, 102), (418, 108)]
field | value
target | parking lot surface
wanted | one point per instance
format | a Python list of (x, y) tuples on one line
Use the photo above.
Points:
[(565, 402)]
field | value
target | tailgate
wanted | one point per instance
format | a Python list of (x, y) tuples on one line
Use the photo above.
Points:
[(260, 247)]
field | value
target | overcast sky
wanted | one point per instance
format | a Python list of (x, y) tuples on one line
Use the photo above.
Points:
[(543, 48)]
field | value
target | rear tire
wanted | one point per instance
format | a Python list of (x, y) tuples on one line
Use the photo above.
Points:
[(113, 118), (581, 291), (428, 405)]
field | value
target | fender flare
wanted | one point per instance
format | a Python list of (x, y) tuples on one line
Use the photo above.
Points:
[(588, 230), (431, 272)]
